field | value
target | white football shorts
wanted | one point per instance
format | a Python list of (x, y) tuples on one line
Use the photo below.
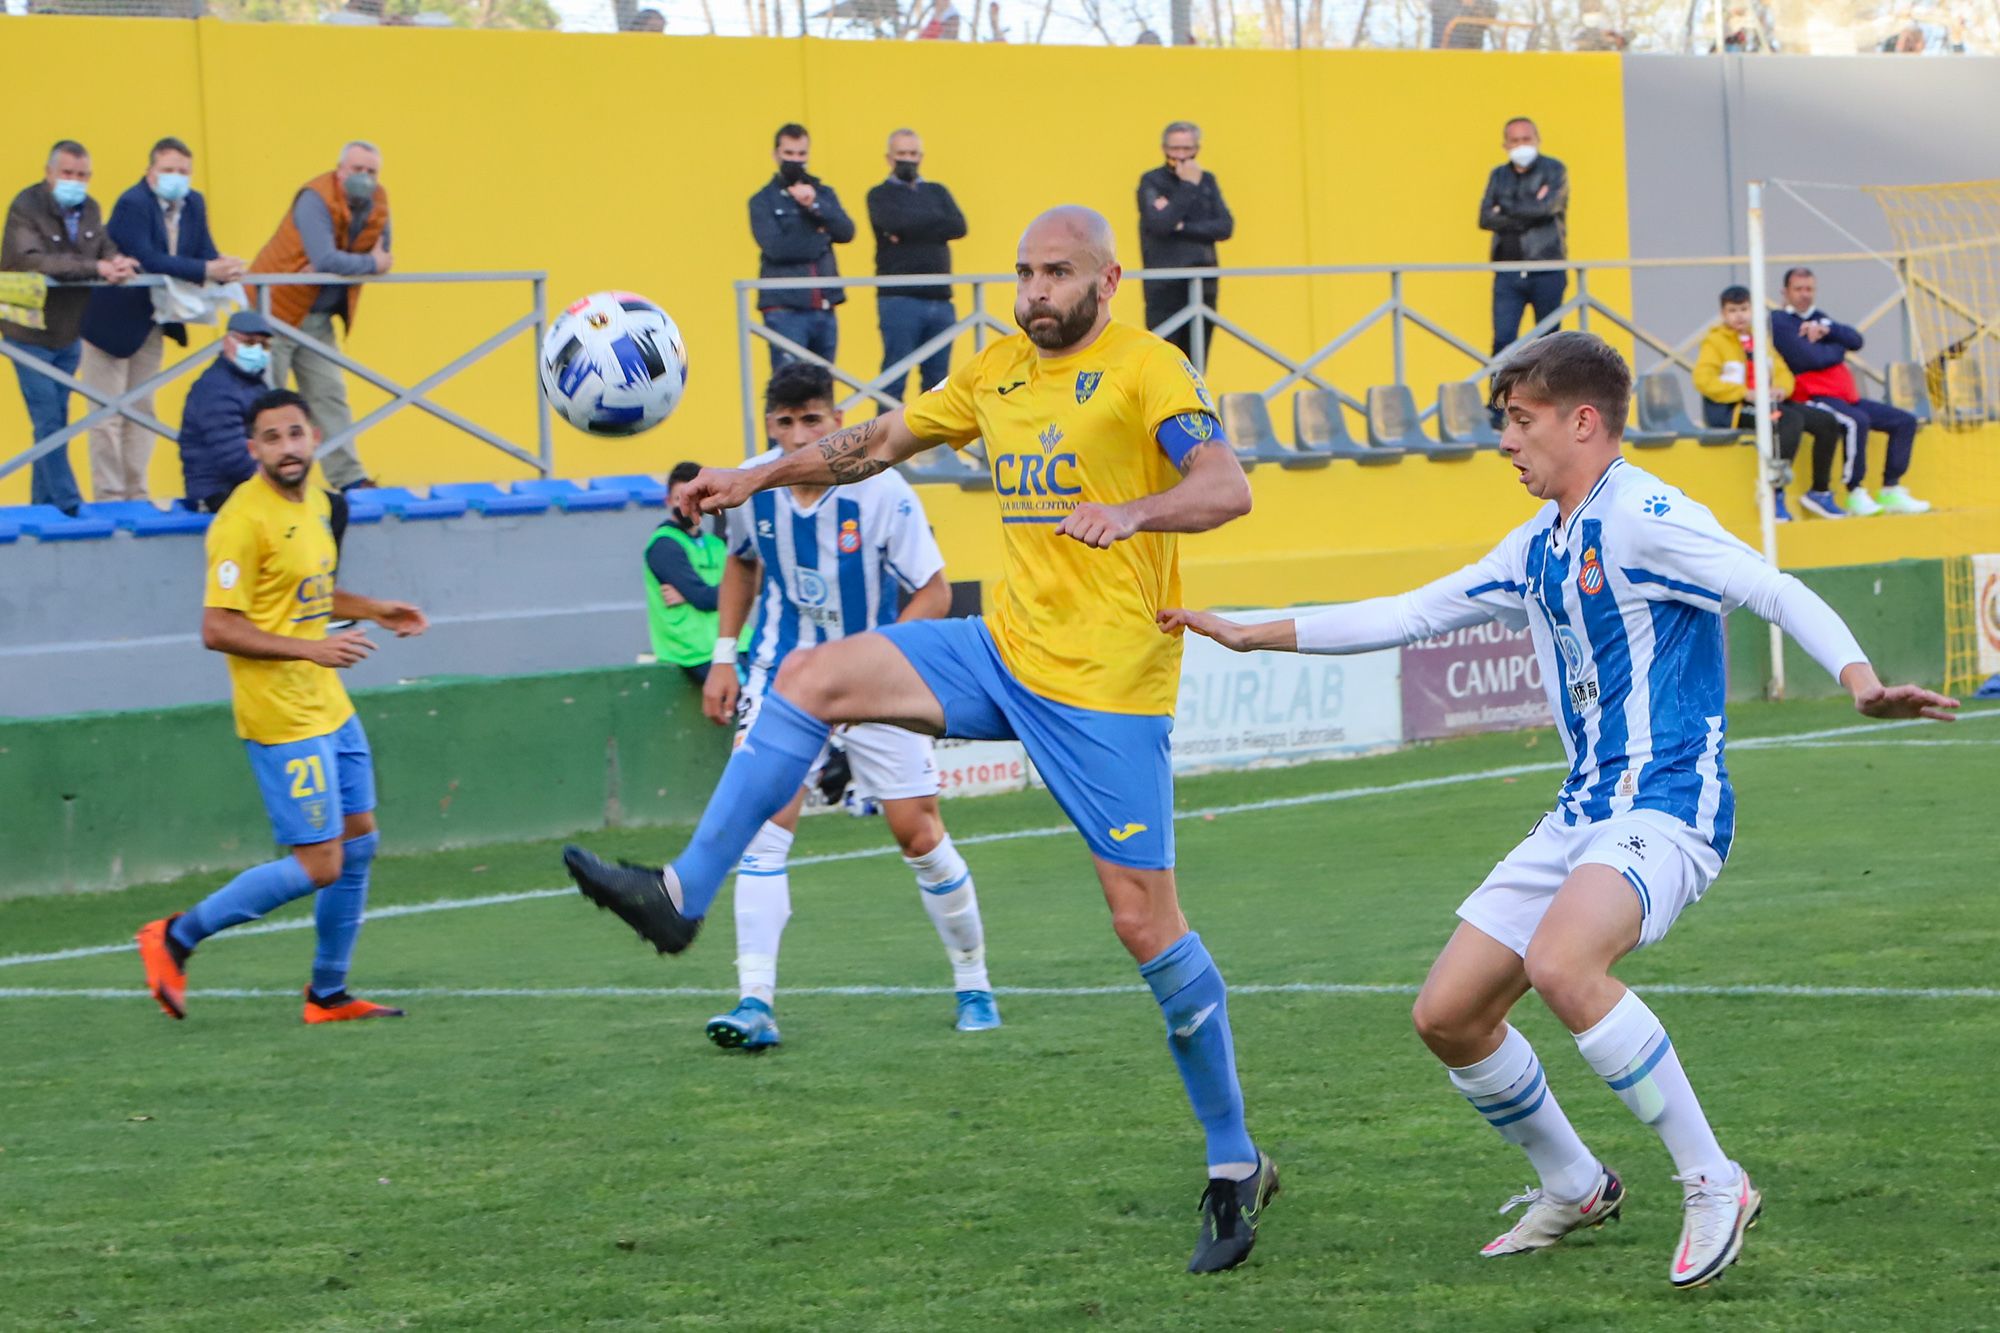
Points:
[(889, 763), (1668, 865)]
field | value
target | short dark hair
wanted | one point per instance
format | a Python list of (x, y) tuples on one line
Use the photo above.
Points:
[(684, 472), (70, 146), (1800, 272), (270, 401), (796, 384), (168, 145), (1569, 369), (1529, 121), (791, 129), (1736, 294)]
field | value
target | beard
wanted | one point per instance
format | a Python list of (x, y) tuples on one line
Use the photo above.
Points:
[(1069, 327)]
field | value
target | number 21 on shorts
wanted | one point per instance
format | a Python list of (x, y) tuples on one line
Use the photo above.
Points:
[(308, 776)]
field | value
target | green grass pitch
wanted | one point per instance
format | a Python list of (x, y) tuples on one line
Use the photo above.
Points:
[(569, 1160)]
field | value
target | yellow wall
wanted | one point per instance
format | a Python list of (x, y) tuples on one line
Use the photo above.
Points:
[(614, 162)]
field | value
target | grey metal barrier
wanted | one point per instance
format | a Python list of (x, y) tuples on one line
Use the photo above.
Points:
[(1309, 369), (534, 322)]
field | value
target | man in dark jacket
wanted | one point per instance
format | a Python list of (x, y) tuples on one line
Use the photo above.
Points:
[(1815, 346), (915, 220), (797, 220), (55, 228), (162, 224), (215, 441), (1526, 207), (1181, 217)]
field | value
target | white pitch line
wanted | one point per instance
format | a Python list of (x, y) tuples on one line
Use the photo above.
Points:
[(1775, 991), (1799, 740)]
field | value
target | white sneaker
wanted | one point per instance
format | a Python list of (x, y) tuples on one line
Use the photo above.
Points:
[(1549, 1220), (1861, 504), (1898, 500), (1715, 1218)]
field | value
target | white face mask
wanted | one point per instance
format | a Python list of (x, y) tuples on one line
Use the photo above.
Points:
[(1523, 155)]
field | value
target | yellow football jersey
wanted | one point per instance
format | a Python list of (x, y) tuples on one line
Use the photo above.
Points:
[(1073, 623), (273, 559)]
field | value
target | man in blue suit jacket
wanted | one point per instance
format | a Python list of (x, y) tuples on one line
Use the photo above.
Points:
[(163, 224)]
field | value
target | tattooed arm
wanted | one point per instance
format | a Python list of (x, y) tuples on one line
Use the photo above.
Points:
[(850, 454)]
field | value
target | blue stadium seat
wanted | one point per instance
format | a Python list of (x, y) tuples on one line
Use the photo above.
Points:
[(648, 492), (483, 497), (48, 523), (1909, 389), (1246, 421), (572, 498), (1662, 409), (941, 464), (9, 530), (407, 505), (362, 507), (142, 519)]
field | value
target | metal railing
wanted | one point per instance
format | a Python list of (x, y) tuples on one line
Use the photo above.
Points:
[(1310, 369), (111, 407)]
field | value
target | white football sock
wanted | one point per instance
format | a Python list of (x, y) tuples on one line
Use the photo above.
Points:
[(763, 905), (1510, 1090), (1631, 1052), (953, 906)]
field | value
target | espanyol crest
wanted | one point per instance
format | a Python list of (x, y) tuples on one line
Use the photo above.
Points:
[(1086, 384)]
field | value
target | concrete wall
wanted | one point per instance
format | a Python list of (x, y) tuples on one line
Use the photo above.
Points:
[(1700, 128), (115, 624)]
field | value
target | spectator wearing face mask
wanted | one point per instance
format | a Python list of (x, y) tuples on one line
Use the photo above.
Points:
[(1181, 218), (54, 228), (1526, 207), (683, 569), (338, 223), (914, 220), (162, 224), (797, 220), (215, 441)]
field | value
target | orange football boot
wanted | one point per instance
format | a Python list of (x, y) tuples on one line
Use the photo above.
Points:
[(342, 1008), (165, 976)]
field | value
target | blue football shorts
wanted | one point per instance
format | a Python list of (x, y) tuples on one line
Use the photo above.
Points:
[(1111, 773), (310, 786)]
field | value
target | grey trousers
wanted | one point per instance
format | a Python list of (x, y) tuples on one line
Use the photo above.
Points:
[(324, 387)]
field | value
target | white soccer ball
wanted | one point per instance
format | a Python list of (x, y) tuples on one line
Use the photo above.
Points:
[(614, 364)]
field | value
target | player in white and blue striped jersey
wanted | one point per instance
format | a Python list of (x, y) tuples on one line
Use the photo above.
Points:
[(819, 565), (1623, 582)]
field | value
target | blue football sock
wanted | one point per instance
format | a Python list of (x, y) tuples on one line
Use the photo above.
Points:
[(337, 914), (1196, 1005), (765, 772), (245, 898)]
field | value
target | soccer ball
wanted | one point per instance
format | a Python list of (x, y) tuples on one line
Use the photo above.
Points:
[(614, 364)]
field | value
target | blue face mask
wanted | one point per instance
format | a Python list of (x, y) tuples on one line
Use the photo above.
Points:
[(171, 186), (71, 194), (252, 359)]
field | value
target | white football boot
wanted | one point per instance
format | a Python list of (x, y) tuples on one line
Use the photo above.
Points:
[(1716, 1216), (1549, 1220)]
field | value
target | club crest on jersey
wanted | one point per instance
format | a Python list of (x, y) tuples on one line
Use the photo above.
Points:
[(1200, 389), (1590, 578), (1051, 436), (1086, 384), (850, 537)]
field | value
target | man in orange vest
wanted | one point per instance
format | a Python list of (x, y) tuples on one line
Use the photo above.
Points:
[(338, 223)]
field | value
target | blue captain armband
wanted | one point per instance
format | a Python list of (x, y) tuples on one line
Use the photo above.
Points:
[(1179, 436)]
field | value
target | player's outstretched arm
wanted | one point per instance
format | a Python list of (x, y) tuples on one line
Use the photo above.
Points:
[(227, 631), (1212, 491), (1874, 699), (405, 619), (1279, 636), (851, 454)]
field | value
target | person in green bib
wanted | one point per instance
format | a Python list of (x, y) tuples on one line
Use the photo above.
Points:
[(683, 568)]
